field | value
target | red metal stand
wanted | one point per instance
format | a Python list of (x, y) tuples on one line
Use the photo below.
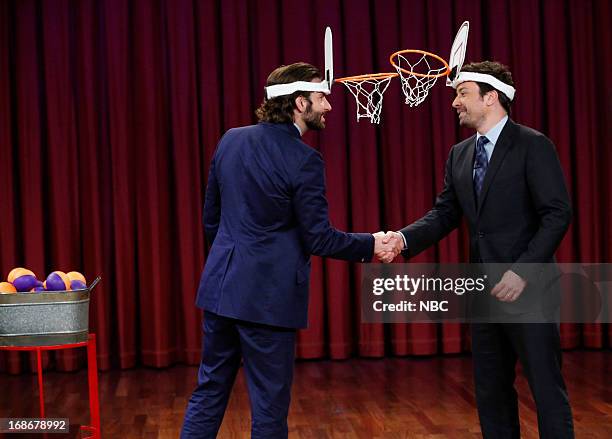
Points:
[(92, 374)]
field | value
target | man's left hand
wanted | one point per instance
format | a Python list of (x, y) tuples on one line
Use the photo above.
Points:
[(509, 288)]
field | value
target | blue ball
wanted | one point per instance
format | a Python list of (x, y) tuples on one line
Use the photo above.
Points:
[(57, 281), (77, 285), (25, 282)]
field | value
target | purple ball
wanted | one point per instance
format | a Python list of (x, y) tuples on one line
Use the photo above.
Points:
[(37, 289), (77, 285), (57, 281), (25, 283)]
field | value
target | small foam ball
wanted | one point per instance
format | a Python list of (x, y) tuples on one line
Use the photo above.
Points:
[(37, 289), (57, 281), (25, 282), (16, 272), (76, 284), (75, 275), (7, 287)]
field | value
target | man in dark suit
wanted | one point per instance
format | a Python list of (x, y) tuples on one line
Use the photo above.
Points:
[(265, 213), (506, 181)]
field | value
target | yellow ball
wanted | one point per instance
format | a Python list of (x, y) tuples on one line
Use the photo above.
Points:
[(19, 271), (75, 275), (6, 287), (57, 281)]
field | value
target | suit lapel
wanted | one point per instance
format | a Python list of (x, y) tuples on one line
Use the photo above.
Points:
[(503, 145)]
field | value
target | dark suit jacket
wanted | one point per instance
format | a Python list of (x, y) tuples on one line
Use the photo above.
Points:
[(265, 213), (523, 210)]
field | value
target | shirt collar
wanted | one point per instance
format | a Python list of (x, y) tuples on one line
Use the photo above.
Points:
[(298, 128), (493, 133)]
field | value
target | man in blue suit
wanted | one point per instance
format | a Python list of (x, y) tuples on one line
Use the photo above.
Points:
[(265, 213)]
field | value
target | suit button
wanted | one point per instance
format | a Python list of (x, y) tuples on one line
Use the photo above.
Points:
[(481, 234)]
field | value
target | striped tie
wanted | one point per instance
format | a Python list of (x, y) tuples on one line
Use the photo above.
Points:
[(480, 164)]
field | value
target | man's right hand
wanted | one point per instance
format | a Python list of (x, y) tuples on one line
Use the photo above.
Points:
[(387, 246)]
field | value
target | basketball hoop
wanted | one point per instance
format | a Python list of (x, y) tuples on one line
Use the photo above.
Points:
[(418, 70), (368, 91)]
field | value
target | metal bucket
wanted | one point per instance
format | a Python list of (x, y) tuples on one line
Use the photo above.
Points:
[(46, 318)]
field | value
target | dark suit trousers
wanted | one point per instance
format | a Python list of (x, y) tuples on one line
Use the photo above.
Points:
[(496, 347), (268, 353)]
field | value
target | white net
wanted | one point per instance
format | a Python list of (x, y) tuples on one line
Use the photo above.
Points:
[(417, 74), (369, 91)]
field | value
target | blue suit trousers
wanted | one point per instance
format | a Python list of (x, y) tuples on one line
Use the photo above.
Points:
[(268, 353)]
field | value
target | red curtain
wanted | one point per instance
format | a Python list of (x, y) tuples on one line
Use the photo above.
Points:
[(110, 111)]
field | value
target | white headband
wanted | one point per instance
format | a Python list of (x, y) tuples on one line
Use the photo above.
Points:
[(508, 90), (273, 91)]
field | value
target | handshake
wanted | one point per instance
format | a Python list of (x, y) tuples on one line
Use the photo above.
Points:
[(387, 245)]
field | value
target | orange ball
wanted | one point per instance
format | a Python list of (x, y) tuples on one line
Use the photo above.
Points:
[(6, 287)]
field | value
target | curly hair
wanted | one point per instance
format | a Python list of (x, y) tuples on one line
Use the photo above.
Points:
[(280, 109), (496, 70)]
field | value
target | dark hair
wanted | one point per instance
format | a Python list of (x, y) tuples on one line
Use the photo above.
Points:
[(496, 70), (280, 109)]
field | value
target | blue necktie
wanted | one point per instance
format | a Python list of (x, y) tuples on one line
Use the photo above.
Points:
[(480, 164)]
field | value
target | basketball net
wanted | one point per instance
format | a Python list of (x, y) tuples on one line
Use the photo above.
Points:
[(368, 91), (415, 86)]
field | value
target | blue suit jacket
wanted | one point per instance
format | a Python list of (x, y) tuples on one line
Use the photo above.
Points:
[(265, 213)]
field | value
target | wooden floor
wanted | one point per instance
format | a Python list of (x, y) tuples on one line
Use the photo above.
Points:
[(390, 398)]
